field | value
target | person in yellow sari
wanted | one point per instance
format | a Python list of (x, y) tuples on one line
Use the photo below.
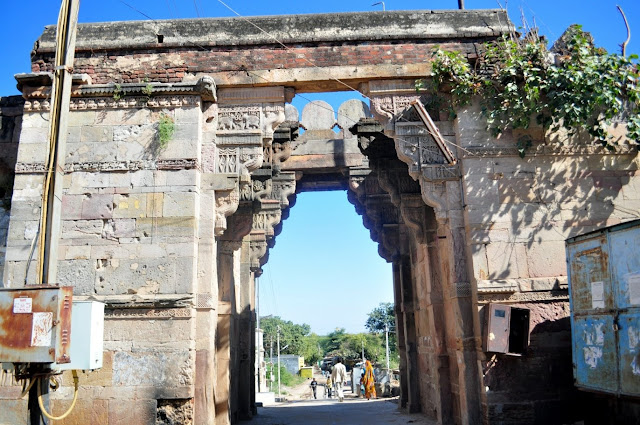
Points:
[(369, 381)]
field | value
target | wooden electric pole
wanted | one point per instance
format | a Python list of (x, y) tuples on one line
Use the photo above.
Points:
[(49, 233)]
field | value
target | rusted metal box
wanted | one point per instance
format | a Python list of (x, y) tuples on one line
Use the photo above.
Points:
[(35, 324), (604, 288), (506, 329)]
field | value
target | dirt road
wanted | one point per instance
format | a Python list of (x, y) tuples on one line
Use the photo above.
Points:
[(329, 412), (304, 410)]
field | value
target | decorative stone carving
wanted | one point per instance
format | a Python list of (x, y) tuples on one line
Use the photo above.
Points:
[(234, 118), (226, 204)]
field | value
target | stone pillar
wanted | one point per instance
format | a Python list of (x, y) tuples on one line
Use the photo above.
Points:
[(226, 297), (402, 345), (407, 297), (206, 314)]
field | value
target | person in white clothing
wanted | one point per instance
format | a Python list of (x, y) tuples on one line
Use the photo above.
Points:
[(339, 377)]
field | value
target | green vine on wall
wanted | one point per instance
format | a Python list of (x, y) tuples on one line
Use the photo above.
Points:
[(579, 87), (166, 128)]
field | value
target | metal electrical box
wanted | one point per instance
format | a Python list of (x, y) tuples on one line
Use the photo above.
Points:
[(506, 329), (87, 328), (604, 288), (35, 324)]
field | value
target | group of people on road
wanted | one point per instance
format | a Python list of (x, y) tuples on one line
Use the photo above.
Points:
[(338, 379)]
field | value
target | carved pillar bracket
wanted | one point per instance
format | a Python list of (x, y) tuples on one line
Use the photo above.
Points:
[(284, 186), (258, 255), (227, 196), (267, 216), (413, 213)]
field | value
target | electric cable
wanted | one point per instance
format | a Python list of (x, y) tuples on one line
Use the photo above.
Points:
[(73, 402)]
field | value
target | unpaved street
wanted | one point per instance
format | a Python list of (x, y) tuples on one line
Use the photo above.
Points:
[(328, 412)]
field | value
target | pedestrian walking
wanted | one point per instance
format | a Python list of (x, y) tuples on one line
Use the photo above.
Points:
[(328, 386), (314, 387), (369, 381), (339, 377)]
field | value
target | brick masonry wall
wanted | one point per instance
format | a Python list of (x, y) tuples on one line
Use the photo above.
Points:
[(173, 65)]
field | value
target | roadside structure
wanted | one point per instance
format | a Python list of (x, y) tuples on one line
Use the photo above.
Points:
[(171, 232)]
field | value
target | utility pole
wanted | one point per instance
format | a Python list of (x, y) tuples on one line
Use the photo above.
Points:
[(259, 341), (271, 361), (386, 337), (363, 350), (49, 231), (278, 339), (460, 4)]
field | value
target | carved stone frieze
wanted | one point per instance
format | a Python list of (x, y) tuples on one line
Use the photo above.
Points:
[(161, 164), (128, 102), (239, 118), (148, 313), (238, 160)]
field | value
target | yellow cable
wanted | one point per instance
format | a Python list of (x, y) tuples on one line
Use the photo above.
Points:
[(26, 391), (73, 403)]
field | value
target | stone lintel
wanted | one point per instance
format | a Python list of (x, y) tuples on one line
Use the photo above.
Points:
[(287, 29)]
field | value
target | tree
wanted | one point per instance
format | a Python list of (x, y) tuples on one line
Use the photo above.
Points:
[(381, 318), (574, 85), (292, 335)]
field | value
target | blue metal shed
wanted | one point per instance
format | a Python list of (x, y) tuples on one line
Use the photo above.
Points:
[(604, 288)]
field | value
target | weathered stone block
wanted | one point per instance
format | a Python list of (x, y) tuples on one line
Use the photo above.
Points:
[(132, 412), (155, 203), (145, 276), (147, 334), (142, 178), (166, 226), (72, 206), (82, 118), (153, 367), (546, 259), (97, 206), (82, 229), (506, 260), (85, 411), (80, 274), (130, 206), (35, 120), (179, 204)]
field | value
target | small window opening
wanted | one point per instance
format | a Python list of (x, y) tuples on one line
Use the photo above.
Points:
[(519, 330), (160, 38)]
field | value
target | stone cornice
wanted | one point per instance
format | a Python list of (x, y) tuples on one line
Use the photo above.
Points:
[(471, 152), (38, 86)]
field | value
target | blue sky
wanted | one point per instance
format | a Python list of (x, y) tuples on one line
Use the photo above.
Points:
[(324, 248)]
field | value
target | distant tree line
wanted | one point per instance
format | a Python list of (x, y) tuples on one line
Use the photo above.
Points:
[(299, 340)]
